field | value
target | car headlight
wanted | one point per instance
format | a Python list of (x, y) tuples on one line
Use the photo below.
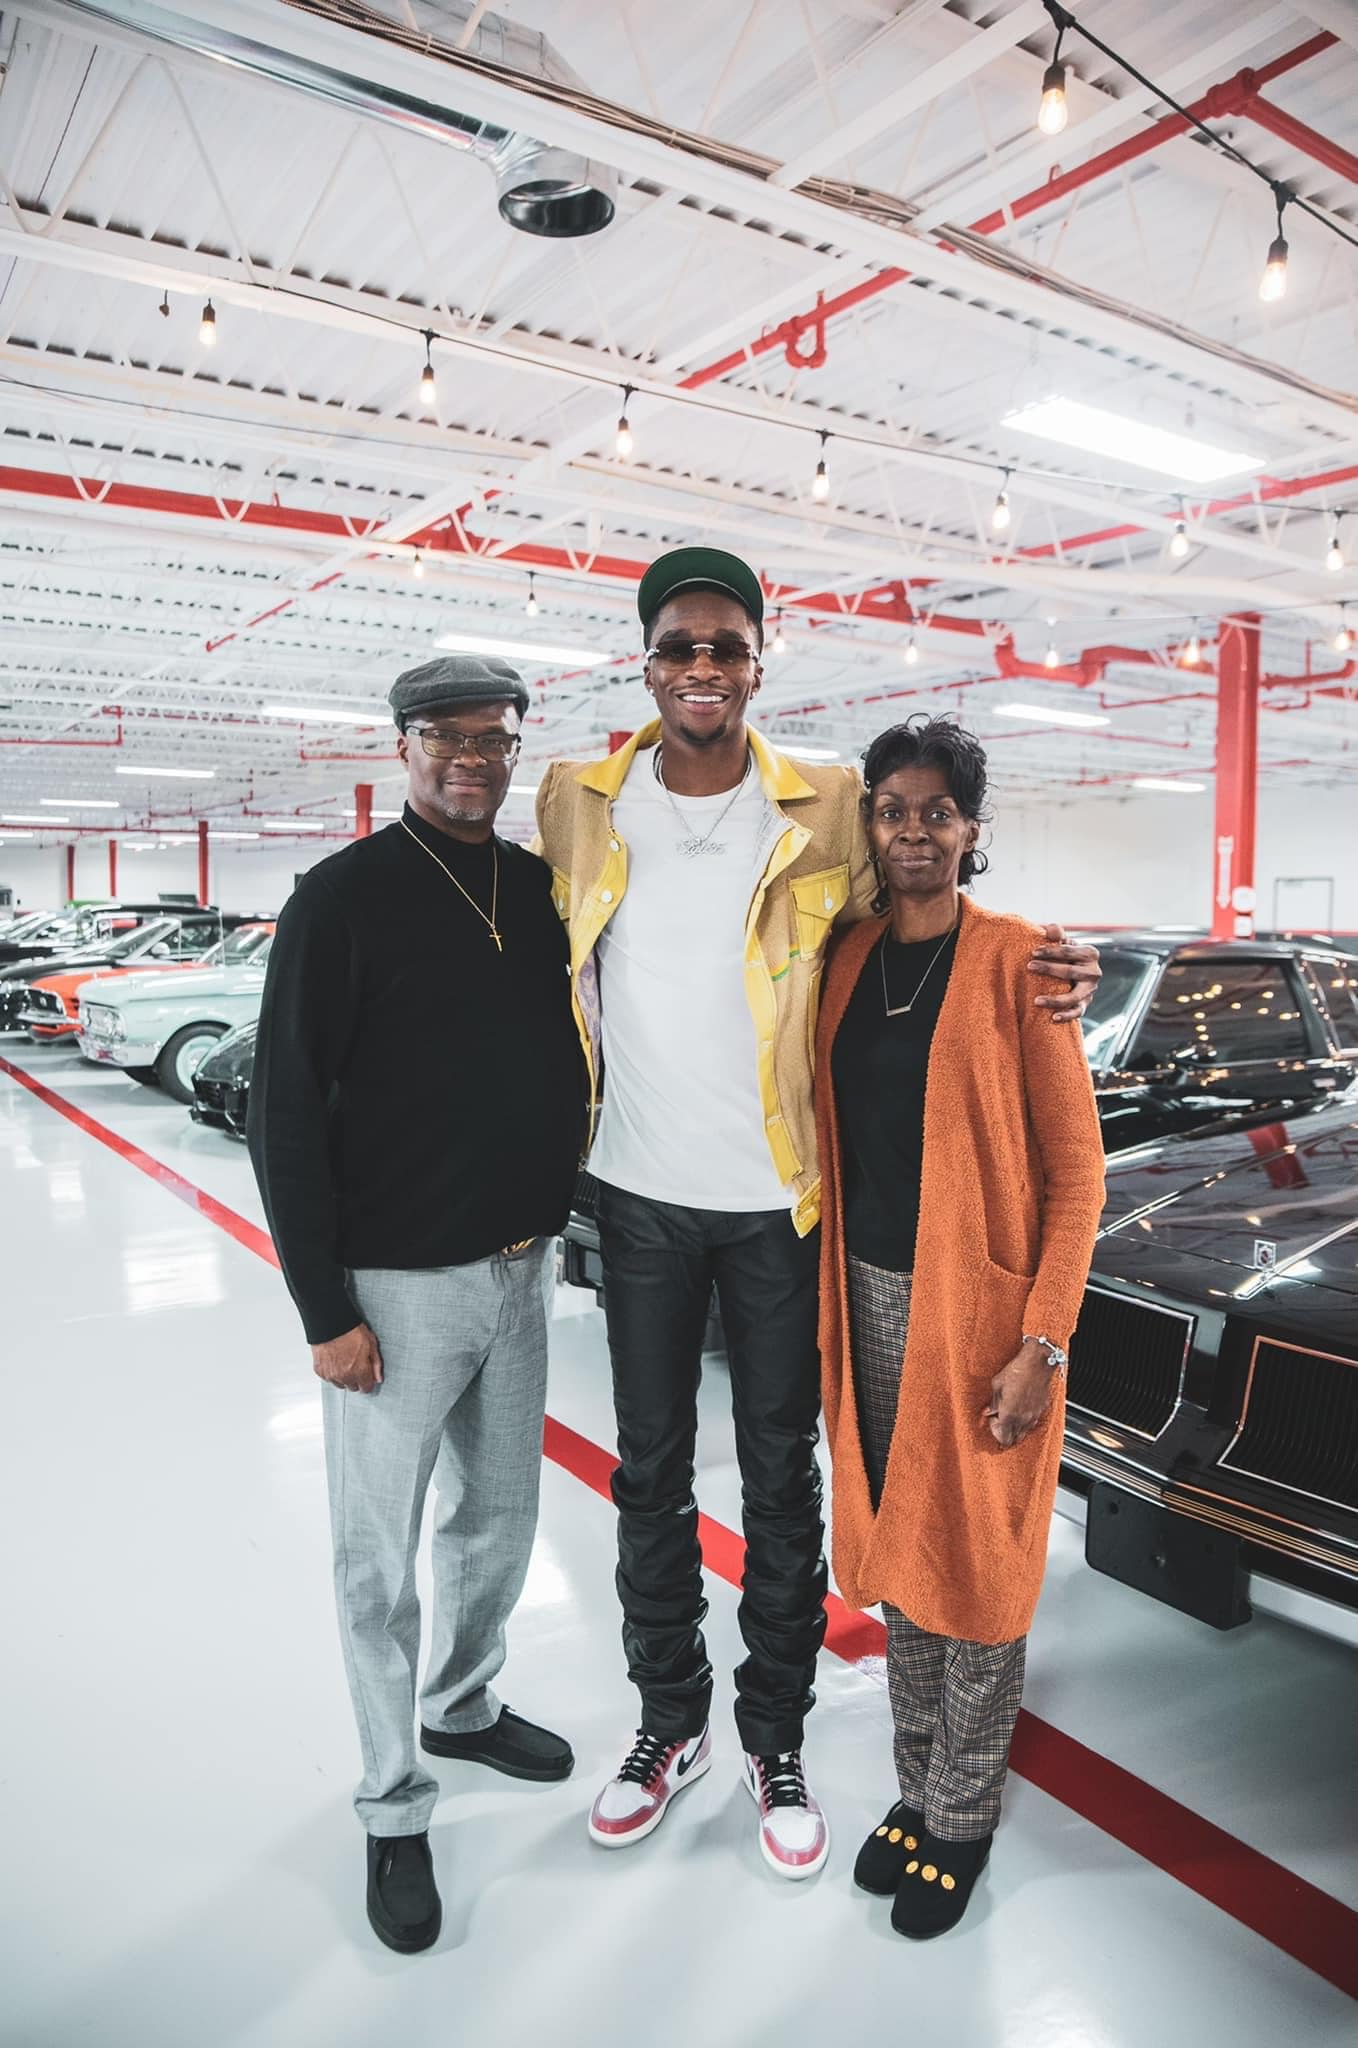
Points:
[(101, 1022)]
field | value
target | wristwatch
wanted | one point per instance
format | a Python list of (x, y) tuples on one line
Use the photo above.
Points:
[(1056, 1357)]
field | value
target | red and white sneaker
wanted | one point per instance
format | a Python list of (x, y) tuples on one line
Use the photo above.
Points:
[(794, 1837), (634, 1802)]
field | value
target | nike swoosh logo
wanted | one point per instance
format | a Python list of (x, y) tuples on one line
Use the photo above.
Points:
[(686, 1763)]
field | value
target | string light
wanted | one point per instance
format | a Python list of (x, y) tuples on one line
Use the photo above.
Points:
[(1190, 654), (207, 326), (911, 652), (532, 607), (820, 482), (623, 443), (427, 386), (999, 515), (1178, 540), (778, 645), (1343, 639), (1053, 112), (1051, 659), (1334, 554), (417, 563), (1273, 283)]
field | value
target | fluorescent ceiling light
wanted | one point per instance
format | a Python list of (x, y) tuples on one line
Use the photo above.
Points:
[(292, 825), (5, 833), (29, 818), (215, 833), (1163, 782), (1127, 440), (193, 774), (350, 812), (810, 753), (522, 650), (1046, 717), (324, 714), (80, 803), (524, 789)]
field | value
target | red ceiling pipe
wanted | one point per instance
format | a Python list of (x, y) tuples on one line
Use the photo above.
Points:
[(203, 896), (113, 867), (1237, 777), (1232, 96), (114, 711), (1309, 141), (363, 810)]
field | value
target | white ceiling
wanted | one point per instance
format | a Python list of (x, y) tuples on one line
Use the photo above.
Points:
[(188, 535)]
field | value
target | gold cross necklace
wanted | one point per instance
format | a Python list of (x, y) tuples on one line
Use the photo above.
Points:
[(494, 885)]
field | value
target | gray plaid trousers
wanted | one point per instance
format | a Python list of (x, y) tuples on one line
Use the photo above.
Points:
[(953, 1704)]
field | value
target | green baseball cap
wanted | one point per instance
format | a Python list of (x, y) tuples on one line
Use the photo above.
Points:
[(699, 569)]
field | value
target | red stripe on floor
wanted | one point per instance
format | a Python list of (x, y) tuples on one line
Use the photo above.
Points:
[(1306, 1923), (249, 1234)]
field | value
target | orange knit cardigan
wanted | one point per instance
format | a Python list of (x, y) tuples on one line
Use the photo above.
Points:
[(1010, 1197)]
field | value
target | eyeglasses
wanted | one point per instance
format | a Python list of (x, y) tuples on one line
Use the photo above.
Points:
[(447, 744), (728, 650)]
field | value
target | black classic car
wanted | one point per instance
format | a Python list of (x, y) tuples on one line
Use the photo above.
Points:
[(124, 935), (221, 1082), (1183, 1031), (1213, 1391)]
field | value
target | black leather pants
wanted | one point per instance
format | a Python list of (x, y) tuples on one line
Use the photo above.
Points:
[(660, 1262)]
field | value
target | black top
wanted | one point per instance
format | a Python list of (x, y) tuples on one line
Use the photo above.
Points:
[(879, 1065), (418, 1097)]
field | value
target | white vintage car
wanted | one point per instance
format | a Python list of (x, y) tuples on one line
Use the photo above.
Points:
[(157, 1027)]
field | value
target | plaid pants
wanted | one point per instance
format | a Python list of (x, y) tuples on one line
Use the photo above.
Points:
[(954, 1704)]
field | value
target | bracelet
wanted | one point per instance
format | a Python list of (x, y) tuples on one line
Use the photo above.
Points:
[(1056, 1357)]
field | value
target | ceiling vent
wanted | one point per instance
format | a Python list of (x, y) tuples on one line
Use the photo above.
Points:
[(539, 189)]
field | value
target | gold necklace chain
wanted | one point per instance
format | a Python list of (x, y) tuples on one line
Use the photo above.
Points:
[(494, 885)]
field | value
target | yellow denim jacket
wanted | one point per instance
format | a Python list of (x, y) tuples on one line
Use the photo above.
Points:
[(815, 872)]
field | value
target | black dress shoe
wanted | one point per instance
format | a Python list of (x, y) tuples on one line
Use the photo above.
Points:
[(404, 1908), (511, 1744), (883, 1857), (933, 1893)]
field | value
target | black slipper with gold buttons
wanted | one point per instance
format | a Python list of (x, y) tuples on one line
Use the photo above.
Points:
[(936, 1884), (883, 1857)]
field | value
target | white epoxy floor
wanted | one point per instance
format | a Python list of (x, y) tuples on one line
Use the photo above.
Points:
[(182, 1865)]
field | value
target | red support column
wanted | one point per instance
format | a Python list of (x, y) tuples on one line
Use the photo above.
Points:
[(202, 861), (1237, 796), (70, 873), (363, 810), (113, 868), (617, 741)]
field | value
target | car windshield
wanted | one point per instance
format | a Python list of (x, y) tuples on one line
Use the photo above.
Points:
[(1125, 975)]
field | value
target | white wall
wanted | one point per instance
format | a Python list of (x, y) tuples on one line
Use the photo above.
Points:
[(1147, 859)]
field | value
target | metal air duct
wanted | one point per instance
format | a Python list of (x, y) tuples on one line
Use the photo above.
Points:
[(539, 189)]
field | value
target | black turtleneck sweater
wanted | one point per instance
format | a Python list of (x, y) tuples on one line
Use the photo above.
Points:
[(418, 1097)]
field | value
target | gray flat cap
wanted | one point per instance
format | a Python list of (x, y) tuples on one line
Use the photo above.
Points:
[(456, 679)]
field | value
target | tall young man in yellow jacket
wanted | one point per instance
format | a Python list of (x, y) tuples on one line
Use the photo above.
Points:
[(700, 873)]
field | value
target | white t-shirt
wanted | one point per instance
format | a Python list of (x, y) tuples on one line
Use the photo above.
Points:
[(682, 1120)]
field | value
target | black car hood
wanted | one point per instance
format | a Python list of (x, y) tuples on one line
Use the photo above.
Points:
[(1278, 1197)]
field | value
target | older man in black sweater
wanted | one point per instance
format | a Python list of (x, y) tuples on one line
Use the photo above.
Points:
[(415, 1124)]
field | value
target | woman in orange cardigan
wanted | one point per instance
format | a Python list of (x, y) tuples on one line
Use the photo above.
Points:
[(963, 1180)]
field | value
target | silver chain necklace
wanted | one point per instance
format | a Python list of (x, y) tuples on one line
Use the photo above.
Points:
[(692, 843), (904, 1009)]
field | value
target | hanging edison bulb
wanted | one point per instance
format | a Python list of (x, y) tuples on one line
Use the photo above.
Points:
[(778, 645), (820, 482), (427, 385), (417, 563), (999, 511), (532, 607), (207, 326), (911, 652), (623, 442)]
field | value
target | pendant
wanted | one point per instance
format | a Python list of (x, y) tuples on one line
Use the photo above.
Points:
[(690, 847), (496, 936)]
